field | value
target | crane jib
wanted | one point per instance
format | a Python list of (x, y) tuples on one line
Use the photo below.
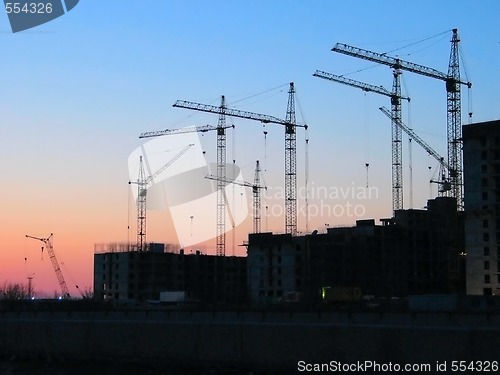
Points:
[(393, 62), (266, 119)]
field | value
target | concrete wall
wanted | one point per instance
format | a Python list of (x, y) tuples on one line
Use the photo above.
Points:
[(244, 340)]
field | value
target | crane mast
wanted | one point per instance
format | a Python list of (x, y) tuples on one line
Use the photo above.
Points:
[(142, 189), (141, 206), (55, 264), (221, 175), (256, 198), (290, 146), (397, 140), (396, 135), (255, 192), (453, 88), (290, 165), (454, 122)]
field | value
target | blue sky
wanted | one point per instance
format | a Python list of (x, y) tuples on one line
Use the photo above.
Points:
[(77, 92)]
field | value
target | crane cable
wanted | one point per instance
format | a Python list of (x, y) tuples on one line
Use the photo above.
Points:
[(307, 180), (367, 140), (66, 271), (306, 167), (469, 88), (265, 167), (410, 149), (421, 41), (430, 175), (281, 87), (25, 257), (233, 187), (129, 188), (265, 148)]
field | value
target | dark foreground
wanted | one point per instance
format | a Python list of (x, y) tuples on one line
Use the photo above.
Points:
[(57, 340), (37, 366)]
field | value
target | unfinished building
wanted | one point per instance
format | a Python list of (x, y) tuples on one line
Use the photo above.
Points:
[(416, 252), (137, 276)]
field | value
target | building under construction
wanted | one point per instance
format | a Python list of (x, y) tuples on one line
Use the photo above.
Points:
[(416, 252), (125, 275), (413, 252), (482, 199)]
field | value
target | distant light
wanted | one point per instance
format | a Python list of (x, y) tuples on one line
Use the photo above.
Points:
[(33, 297), (59, 298)]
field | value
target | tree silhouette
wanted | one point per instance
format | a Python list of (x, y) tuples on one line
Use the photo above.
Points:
[(14, 291)]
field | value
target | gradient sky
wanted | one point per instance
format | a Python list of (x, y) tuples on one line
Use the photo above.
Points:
[(78, 91)]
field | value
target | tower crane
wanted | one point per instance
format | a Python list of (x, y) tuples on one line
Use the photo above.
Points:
[(290, 146), (142, 188), (221, 167), (55, 264), (444, 183), (453, 93), (256, 186), (397, 151)]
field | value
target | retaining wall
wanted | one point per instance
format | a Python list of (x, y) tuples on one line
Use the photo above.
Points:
[(256, 340)]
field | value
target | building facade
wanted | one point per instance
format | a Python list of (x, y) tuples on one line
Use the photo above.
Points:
[(416, 252), (482, 206), (123, 275)]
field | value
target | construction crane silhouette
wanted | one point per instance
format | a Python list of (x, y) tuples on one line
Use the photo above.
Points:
[(55, 264), (290, 146), (143, 183), (444, 184), (221, 174), (453, 94), (221, 168), (256, 186), (397, 150)]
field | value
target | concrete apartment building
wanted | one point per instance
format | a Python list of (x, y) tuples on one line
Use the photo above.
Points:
[(124, 275), (416, 252), (482, 206)]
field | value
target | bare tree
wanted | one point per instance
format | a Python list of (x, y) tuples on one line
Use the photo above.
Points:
[(88, 293), (14, 291)]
